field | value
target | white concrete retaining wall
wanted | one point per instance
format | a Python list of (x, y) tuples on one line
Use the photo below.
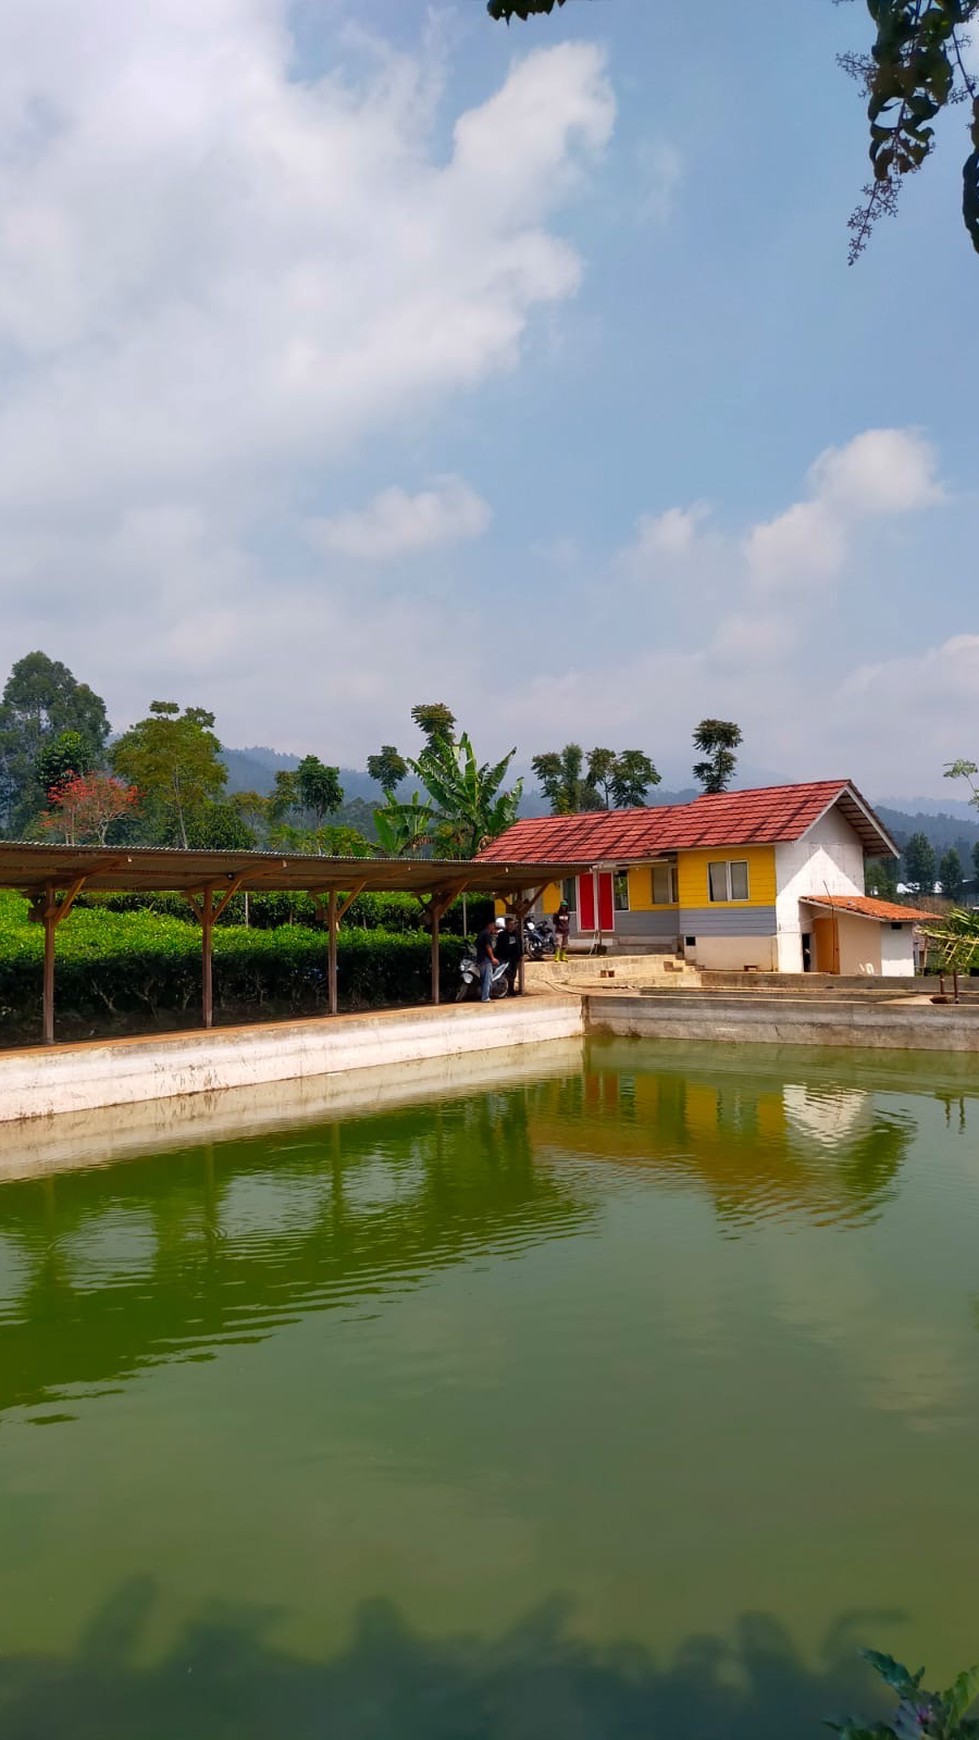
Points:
[(758, 1020), (47, 1081)]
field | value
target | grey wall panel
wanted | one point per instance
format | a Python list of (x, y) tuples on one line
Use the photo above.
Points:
[(648, 923), (728, 921)]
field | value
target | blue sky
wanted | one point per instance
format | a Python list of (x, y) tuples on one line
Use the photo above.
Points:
[(361, 353)]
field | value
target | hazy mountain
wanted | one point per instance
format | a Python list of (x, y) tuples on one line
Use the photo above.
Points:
[(945, 824), (919, 806)]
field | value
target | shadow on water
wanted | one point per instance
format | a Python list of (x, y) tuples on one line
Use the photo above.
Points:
[(225, 1679)]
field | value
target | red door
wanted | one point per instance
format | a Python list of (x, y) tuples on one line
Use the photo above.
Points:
[(586, 902), (595, 898)]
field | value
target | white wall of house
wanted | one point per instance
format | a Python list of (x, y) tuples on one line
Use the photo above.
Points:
[(733, 953), (859, 944), (827, 860), (897, 951)]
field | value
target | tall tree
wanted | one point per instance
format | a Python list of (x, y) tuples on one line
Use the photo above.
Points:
[(601, 772), (435, 721), (716, 739), (284, 800), (564, 782), (951, 874), (68, 753), (920, 867), (916, 65), (175, 760), (468, 805), (320, 791), (41, 700), (632, 776), (882, 878), (388, 768)]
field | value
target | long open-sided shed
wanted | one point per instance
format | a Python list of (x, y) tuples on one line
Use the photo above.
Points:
[(52, 877)]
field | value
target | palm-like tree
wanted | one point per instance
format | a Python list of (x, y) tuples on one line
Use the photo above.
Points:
[(467, 803), (717, 739)]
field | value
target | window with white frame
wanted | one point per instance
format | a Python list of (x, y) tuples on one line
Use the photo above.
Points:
[(727, 879), (569, 892), (620, 891), (664, 884)]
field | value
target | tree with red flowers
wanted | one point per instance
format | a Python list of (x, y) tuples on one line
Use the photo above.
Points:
[(84, 806)]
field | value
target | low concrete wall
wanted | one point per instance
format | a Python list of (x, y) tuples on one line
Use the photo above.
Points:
[(46, 1082), (101, 1138), (757, 1020)]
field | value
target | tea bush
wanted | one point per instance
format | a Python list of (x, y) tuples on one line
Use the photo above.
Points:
[(390, 912), (113, 964)]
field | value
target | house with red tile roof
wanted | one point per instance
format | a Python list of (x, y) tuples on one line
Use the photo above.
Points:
[(772, 879)]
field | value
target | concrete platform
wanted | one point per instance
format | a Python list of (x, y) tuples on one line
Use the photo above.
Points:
[(48, 1082), (598, 972)]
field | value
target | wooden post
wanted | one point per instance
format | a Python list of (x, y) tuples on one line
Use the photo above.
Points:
[(523, 907), (436, 925), (47, 910), (50, 926), (207, 927), (332, 968)]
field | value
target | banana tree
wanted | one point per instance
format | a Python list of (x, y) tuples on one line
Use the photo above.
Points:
[(469, 807), (403, 828)]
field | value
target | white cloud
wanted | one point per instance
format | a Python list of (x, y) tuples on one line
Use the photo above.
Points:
[(881, 472), (659, 537), (397, 524), (211, 271)]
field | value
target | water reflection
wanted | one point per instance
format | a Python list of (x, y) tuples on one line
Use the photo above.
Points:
[(759, 1147), (105, 1272)]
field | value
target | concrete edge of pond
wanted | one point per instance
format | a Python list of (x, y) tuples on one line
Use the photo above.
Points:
[(710, 1016), (72, 1140), (50, 1082)]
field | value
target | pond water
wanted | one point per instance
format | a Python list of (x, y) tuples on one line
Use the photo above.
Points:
[(623, 1402)]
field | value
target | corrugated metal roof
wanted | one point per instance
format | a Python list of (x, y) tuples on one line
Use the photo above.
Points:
[(155, 869), (766, 815)]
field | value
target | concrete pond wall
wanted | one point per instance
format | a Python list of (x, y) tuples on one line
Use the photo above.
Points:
[(49, 1081), (755, 1019)]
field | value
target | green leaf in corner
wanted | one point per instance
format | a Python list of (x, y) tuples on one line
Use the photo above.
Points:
[(894, 1673), (961, 1695)]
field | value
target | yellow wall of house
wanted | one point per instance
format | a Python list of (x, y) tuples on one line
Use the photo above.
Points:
[(692, 874), (641, 891), (692, 880)]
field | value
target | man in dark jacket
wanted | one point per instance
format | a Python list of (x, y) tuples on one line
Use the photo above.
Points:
[(510, 948)]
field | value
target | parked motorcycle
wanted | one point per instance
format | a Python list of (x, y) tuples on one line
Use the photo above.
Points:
[(470, 987), (538, 939)]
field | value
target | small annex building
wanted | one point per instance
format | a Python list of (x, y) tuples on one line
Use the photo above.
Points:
[(771, 879)]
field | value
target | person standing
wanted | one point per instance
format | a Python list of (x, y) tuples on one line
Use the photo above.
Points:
[(562, 926), (486, 958), (510, 948)]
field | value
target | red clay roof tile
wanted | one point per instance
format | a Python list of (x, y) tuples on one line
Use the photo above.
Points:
[(865, 906), (766, 815)]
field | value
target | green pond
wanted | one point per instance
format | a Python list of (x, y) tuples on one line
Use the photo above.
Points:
[(614, 1402)]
